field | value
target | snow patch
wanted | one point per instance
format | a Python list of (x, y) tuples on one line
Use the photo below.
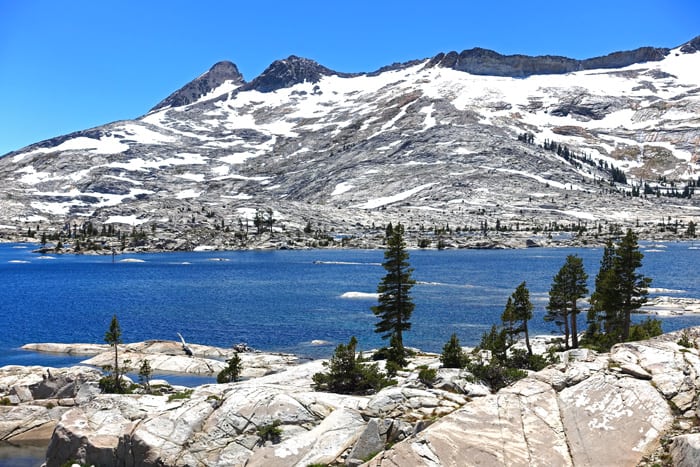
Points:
[(129, 220), (378, 202), (342, 187), (185, 194)]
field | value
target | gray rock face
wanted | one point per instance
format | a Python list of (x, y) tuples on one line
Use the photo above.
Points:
[(215, 77), (692, 46), (286, 73), (480, 61), (685, 450)]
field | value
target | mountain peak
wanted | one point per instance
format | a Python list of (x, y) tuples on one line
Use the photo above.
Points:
[(691, 46), (288, 72), (218, 74)]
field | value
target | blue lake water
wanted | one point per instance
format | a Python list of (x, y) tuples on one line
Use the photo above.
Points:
[(282, 300)]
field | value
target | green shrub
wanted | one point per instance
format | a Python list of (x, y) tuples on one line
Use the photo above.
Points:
[(495, 374), (647, 329), (348, 374), (108, 385), (180, 395), (271, 432), (427, 375), (685, 340), (5, 401)]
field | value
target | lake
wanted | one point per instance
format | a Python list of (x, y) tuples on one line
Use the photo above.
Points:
[(284, 300)]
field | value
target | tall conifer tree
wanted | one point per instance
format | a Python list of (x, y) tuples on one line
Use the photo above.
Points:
[(620, 291), (568, 286), (517, 313), (395, 303), (114, 337)]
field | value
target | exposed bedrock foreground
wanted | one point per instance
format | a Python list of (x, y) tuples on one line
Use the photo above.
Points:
[(634, 406)]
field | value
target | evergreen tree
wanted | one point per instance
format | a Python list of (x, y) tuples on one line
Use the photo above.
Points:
[(452, 354), (517, 313), (632, 285), (605, 301), (232, 372), (496, 342), (114, 337), (620, 291), (395, 303), (145, 372), (568, 286)]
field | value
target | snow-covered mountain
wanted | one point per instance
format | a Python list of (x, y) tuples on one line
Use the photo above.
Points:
[(455, 139)]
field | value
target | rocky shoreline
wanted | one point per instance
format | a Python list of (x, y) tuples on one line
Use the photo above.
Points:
[(646, 393), (163, 242)]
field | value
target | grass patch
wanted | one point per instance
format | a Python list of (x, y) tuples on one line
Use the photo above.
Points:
[(180, 395)]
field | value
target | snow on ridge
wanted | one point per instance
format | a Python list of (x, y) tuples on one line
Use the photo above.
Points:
[(559, 185), (382, 201)]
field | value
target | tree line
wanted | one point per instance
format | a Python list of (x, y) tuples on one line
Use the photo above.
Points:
[(499, 359)]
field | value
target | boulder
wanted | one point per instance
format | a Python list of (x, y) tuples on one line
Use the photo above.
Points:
[(685, 450), (371, 441)]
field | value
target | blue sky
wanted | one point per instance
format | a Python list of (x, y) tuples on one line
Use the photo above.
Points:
[(71, 65)]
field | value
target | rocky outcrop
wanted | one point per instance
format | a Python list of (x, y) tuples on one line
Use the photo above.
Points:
[(565, 414), (691, 46), (170, 357), (288, 72), (588, 410), (37, 397), (212, 79)]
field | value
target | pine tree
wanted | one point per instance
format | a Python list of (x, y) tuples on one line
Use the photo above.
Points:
[(517, 313), (114, 337), (452, 354), (620, 291), (568, 286), (632, 285), (395, 304), (233, 370), (145, 372)]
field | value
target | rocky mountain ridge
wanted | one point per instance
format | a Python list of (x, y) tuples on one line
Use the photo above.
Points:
[(330, 155)]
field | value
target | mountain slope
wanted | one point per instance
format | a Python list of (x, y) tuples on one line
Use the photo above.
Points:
[(423, 143)]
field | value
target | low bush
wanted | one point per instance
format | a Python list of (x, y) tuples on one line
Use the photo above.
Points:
[(427, 375), (271, 432), (180, 395)]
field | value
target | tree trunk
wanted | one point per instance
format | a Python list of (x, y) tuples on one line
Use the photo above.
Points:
[(117, 377), (566, 329), (574, 326), (527, 339)]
